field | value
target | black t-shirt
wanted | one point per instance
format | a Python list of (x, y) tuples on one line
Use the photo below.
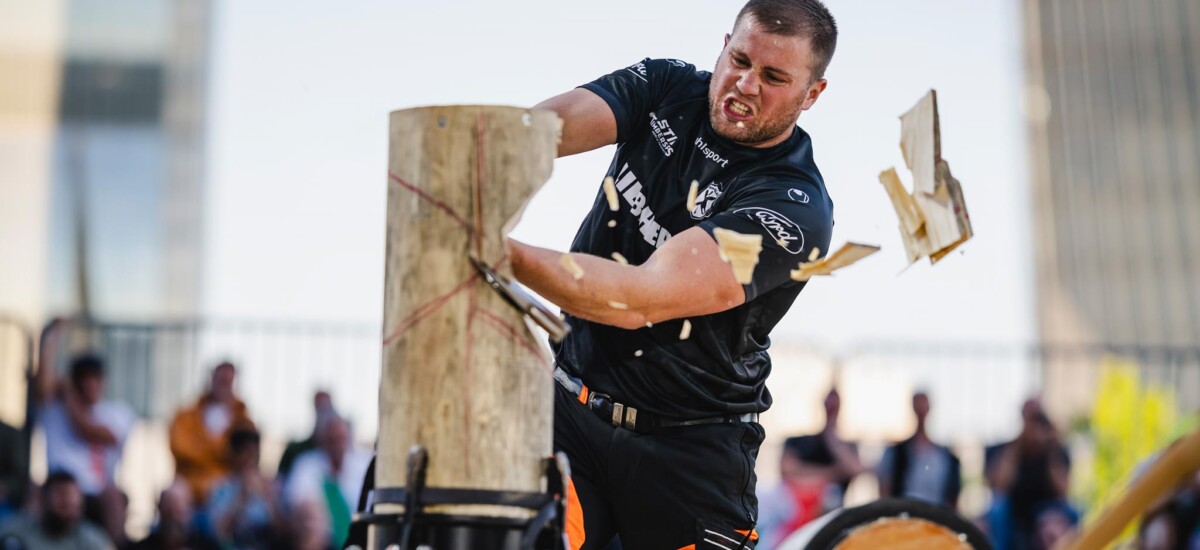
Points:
[(665, 141)]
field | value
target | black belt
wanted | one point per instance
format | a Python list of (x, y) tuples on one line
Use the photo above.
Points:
[(624, 416)]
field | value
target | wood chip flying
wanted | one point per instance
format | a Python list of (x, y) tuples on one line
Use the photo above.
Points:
[(816, 253), (637, 353), (617, 257), (612, 223), (691, 200), (568, 263), (740, 251), (617, 305), (846, 255), (686, 331), (610, 191)]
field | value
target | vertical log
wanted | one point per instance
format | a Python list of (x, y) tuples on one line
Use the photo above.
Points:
[(463, 375)]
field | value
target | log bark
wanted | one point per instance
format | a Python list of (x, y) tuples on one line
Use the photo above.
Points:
[(463, 374)]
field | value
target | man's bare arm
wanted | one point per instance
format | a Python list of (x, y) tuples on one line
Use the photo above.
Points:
[(588, 122), (684, 278)]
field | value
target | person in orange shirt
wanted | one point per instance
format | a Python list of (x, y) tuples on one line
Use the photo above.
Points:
[(200, 433)]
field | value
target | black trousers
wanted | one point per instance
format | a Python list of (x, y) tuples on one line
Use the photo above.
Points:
[(680, 488)]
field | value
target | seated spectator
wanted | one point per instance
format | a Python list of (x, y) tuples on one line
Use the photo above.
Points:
[(199, 434), (60, 525), (919, 468), (174, 529), (14, 470), (322, 408), (824, 457), (85, 435), (242, 508), (329, 476), (1029, 472)]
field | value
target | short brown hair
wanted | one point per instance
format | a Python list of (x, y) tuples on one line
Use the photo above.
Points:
[(808, 18)]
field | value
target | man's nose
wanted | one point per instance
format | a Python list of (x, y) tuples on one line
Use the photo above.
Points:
[(748, 84)]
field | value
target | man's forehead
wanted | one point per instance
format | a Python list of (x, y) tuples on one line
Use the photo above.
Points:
[(786, 53)]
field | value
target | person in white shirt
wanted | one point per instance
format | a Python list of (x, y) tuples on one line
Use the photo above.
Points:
[(85, 436), (330, 476)]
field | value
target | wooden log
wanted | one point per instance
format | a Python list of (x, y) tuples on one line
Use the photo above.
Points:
[(1179, 460), (463, 374)]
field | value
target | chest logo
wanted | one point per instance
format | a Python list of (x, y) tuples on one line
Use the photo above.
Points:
[(705, 201), (663, 134), (783, 231), (798, 196)]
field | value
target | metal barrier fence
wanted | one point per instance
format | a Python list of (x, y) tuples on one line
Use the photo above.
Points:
[(157, 368), (977, 388)]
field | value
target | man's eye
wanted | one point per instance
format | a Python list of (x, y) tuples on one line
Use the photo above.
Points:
[(774, 79), (739, 62)]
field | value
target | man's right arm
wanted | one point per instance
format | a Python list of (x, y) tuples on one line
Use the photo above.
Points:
[(588, 122)]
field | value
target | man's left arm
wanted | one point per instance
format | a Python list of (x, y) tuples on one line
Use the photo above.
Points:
[(684, 278)]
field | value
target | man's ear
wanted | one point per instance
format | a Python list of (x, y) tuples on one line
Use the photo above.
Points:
[(727, 37), (814, 91)]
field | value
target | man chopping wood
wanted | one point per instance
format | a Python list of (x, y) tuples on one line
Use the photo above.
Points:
[(662, 378)]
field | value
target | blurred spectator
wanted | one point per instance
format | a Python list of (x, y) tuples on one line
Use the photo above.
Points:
[(242, 508), (1027, 474), (814, 472), (329, 476), (310, 527), (14, 471), (323, 408), (85, 435), (919, 468), (59, 526), (1056, 521), (200, 433), (824, 456), (174, 529)]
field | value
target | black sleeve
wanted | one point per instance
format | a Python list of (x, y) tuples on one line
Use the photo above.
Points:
[(790, 227), (635, 91)]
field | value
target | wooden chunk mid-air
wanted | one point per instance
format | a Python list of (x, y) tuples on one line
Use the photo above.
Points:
[(740, 251), (848, 254), (933, 218)]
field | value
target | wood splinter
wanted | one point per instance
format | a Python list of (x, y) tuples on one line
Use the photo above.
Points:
[(691, 198), (740, 251), (610, 192), (568, 263), (686, 331), (848, 254)]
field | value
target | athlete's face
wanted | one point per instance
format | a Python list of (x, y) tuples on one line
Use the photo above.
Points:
[(762, 81)]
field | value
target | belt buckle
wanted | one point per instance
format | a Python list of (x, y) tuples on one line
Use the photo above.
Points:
[(595, 396)]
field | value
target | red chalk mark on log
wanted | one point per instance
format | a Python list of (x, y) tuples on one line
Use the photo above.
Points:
[(430, 199), (424, 310)]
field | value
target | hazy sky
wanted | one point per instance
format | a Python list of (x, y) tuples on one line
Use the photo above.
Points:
[(301, 92)]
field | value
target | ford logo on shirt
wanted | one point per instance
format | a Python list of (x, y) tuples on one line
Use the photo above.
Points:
[(783, 231)]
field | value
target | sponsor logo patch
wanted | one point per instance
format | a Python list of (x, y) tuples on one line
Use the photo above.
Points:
[(630, 189), (798, 196), (705, 201), (710, 154), (783, 231), (663, 134), (638, 70)]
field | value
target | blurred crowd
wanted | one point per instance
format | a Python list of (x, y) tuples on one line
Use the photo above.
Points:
[(221, 496), (1028, 480)]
